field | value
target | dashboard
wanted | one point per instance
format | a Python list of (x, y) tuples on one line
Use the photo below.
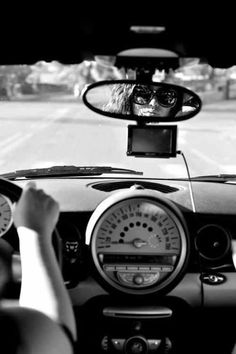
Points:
[(134, 255)]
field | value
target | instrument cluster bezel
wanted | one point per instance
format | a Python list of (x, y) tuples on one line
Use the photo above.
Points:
[(173, 211)]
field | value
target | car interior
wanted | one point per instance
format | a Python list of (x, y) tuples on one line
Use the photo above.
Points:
[(149, 262)]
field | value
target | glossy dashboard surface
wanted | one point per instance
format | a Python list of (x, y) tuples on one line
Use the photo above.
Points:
[(77, 194), (79, 198)]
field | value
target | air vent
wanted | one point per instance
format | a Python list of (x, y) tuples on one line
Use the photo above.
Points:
[(110, 186), (212, 242)]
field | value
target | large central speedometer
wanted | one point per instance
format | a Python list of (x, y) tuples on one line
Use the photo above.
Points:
[(138, 241), (138, 226)]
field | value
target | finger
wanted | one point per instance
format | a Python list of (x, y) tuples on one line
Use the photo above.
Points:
[(54, 203), (40, 191)]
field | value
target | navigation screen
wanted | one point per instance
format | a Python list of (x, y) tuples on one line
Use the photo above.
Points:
[(152, 141)]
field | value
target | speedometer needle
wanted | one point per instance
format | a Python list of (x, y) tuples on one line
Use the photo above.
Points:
[(137, 242)]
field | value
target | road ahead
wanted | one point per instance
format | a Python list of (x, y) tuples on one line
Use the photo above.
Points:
[(41, 134)]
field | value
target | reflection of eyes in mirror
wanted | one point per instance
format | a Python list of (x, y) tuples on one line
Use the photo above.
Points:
[(156, 102), (129, 99)]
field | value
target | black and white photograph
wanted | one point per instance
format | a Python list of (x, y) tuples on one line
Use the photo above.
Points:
[(118, 178)]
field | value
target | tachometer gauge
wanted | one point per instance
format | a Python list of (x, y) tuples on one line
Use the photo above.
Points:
[(5, 214), (139, 241)]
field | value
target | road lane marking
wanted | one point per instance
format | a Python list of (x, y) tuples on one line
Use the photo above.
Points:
[(8, 140), (21, 139), (58, 113), (17, 139), (52, 117)]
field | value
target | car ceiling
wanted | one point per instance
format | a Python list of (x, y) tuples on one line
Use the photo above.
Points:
[(71, 34)]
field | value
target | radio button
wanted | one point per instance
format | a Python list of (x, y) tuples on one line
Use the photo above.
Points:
[(109, 268), (118, 344), (151, 278), (120, 268), (154, 344), (132, 269), (125, 277), (155, 269), (144, 269), (167, 269), (138, 279)]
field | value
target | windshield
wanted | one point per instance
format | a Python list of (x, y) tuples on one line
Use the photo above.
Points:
[(44, 122)]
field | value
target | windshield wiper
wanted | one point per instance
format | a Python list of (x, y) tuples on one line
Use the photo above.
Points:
[(221, 178), (68, 171)]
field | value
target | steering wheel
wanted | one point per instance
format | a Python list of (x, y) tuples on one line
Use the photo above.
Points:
[(13, 192), (10, 189)]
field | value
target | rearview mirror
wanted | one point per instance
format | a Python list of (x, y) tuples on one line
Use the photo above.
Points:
[(132, 100)]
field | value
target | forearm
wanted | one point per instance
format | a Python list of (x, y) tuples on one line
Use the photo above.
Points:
[(42, 285)]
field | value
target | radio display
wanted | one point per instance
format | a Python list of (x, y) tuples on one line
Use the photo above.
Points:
[(139, 259)]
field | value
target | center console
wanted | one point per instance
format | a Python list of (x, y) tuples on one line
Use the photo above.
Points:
[(137, 338), (130, 327)]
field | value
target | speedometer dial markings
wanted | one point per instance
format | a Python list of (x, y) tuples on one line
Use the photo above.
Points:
[(105, 230), (141, 226)]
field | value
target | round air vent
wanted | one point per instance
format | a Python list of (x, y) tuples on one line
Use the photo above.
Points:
[(212, 242)]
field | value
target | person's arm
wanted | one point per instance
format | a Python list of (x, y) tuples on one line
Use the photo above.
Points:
[(42, 287)]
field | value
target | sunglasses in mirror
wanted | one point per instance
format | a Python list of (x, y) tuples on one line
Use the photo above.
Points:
[(165, 97)]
